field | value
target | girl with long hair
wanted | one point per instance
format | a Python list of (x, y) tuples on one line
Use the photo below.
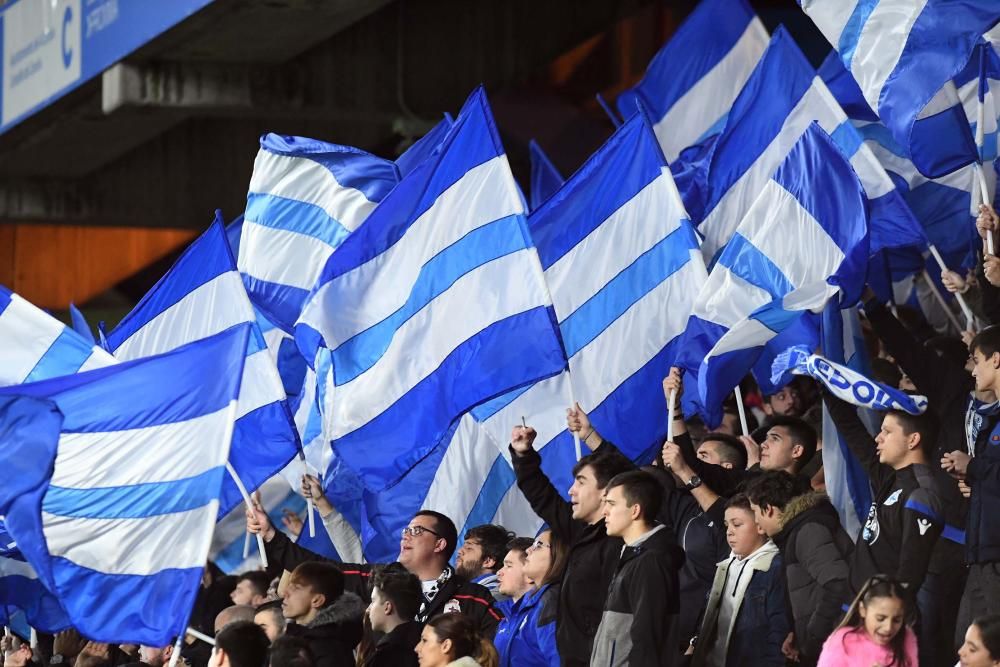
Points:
[(453, 640), (876, 629)]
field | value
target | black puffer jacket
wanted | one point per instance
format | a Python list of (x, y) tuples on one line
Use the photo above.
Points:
[(335, 631), (815, 550)]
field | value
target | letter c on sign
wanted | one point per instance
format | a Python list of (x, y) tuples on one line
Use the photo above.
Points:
[(67, 54)]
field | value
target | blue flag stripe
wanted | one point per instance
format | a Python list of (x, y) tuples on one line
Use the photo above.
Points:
[(747, 261), (66, 355), (137, 501), (294, 216), (646, 272)]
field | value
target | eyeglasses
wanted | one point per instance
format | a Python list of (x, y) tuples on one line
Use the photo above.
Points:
[(540, 545), (417, 531)]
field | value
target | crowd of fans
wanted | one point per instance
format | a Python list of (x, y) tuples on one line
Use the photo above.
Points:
[(724, 551)]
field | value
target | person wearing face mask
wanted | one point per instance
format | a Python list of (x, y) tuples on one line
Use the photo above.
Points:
[(527, 636), (875, 630), (580, 523), (639, 624), (745, 621)]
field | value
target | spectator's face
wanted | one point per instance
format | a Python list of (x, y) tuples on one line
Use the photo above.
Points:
[(984, 370), (430, 651), (618, 514), (539, 558), (973, 652), (777, 451), (420, 542), (891, 442), (742, 532), (785, 403), (769, 520), (513, 581), (469, 562), (153, 656), (883, 617), (377, 613), (300, 601), (269, 623), (244, 593), (708, 452), (585, 496)]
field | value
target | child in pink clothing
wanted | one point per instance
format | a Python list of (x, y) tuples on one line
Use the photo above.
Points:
[(875, 631)]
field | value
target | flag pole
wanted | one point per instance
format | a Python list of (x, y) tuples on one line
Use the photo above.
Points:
[(250, 507), (309, 500), (198, 635), (958, 297), (671, 413), (742, 410), (944, 304)]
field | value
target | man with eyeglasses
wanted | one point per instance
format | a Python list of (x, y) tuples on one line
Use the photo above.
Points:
[(425, 547)]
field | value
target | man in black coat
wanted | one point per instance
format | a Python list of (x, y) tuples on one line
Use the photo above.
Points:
[(424, 549), (396, 598), (579, 523), (639, 624), (320, 611)]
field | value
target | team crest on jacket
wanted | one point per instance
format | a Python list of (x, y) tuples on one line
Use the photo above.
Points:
[(893, 498), (452, 606), (871, 531)]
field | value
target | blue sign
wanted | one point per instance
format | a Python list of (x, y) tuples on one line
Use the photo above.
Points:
[(50, 47)]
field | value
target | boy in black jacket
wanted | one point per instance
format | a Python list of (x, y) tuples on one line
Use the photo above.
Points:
[(322, 613), (396, 598), (639, 624), (579, 523), (815, 550)]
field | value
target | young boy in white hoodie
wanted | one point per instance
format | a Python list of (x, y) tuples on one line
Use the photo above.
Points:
[(745, 620)]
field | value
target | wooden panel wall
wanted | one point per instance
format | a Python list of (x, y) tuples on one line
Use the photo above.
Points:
[(52, 265)]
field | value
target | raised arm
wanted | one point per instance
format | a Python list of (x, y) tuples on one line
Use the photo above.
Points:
[(857, 437), (537, 488)]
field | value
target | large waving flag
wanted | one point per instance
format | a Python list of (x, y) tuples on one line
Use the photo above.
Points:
[(36, 346), (940, 205), (780, 100), (201, 295), (545, 178), (802, 241), (616, 246), (26, 424), (424, 147), (904, 55), (436, 304), (693, 80), (116, 513), (306, 197)]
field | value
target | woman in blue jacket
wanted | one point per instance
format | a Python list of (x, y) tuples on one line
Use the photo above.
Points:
[(527, 636)]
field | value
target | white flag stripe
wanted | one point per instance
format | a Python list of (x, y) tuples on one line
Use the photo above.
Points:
[(881, 43), (106, 456), (34, 334), (131, 546), (203, 312), (310, 255), (305, 180)]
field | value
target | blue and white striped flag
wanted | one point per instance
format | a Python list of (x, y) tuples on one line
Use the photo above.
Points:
[(116, 513), (26, 424), (693, 80), (545, 178), (802, 241), (904, 55), (846, 480), (436, 304), (616, 246), (780, 100), (36, 346), (305, 198), (201, 295), (940, 205)]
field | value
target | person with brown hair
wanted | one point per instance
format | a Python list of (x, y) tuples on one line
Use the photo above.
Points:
[(528, 635), (452, 640), (320, 611)]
